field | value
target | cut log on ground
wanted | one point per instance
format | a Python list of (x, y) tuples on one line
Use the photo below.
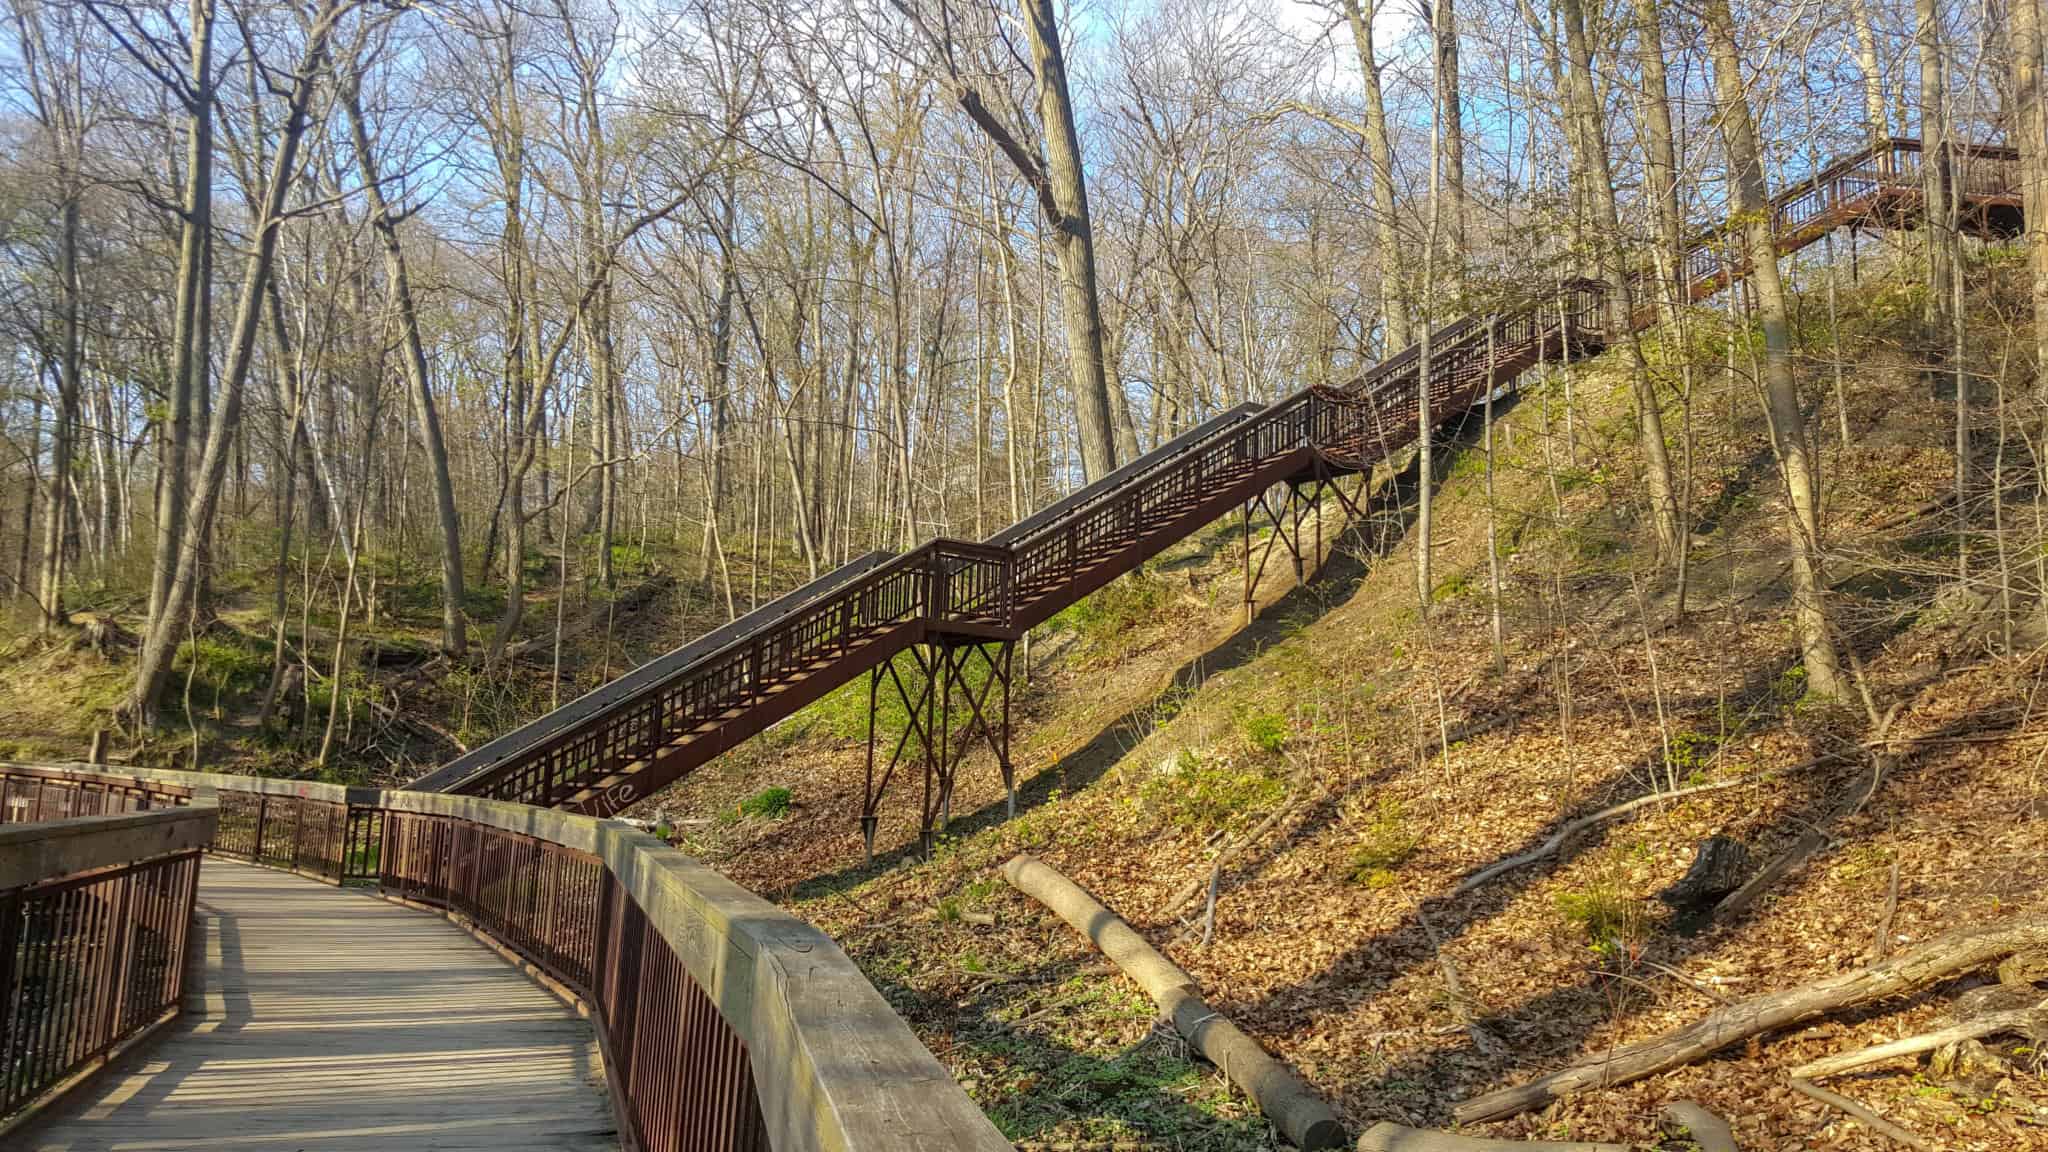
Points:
[(1914, 968), (1388, 1137), (1707, 1130), (2029, 1020), (1291, 1104)]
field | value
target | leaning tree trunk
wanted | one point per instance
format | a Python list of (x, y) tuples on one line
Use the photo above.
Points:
[(159, 641), (1073, 245), (413, 355), (1788, 422), (1394, 303)]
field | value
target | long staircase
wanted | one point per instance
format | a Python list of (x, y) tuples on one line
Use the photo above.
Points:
[(632, 737)]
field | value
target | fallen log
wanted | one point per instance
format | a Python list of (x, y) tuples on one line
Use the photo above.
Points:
[(1707, 1130), (1916, 968), (624, 604), (1390, 1137), (1290, 1103), (1864, 1115), (1565, 834), (2026, 1020)]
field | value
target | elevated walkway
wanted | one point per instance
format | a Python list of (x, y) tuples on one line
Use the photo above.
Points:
[(957, 602), (329, 1020), (307, 1014)]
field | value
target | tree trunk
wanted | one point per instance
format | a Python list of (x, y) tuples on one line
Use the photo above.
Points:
[(1874, 120), (157, 646), (1660, 491), (1073, 245), (1444, 29), (64, 430), (1660, 159), (1934, 162), (1394, 303), (2030, 131), (189, 352), (1788, 422), (412, 353)]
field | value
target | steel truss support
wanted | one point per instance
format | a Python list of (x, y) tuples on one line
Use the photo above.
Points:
[(1292, 516), (945, 713)]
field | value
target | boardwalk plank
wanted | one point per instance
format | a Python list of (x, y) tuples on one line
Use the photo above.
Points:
[(336, 1022)]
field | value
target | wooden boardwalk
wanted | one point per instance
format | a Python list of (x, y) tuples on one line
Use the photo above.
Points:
[(337, 1022)]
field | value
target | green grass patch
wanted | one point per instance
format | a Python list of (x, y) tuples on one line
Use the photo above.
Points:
[(226, 663), (1206, 794), (1383, 847), (1264, 732), (1104, 621), (1614, 922), (767, 804)]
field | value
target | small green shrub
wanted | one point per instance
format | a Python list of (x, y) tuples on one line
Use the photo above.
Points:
[(1265, 731), (1691, 751), (1459, 585), (1386, 844), (1205, 795), (767, 804), (1104, 620), (1614, 922), (224, 663)]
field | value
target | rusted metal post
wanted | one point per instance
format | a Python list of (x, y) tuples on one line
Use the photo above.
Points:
[(1003, 754), (868, 816), (1250, 605)]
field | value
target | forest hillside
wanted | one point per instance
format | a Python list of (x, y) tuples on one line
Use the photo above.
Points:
[(1350, 781), (1518, 528)]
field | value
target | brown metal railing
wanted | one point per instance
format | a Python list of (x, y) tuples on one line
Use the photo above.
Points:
[(29, 794), (94, 912), (692, 981)]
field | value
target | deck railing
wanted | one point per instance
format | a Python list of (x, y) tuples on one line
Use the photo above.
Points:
[(727, 1025), (94, 913)]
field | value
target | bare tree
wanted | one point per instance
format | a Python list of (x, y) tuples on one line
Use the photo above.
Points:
[(1751, 206)]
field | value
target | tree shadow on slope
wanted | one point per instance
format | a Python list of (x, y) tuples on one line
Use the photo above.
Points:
[(1041, 1088), (1551, 1027)]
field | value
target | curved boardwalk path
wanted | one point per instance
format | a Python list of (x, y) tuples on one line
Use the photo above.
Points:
[(336, 1021)]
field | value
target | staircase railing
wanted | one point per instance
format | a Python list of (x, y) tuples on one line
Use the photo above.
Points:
[(839, 627)]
